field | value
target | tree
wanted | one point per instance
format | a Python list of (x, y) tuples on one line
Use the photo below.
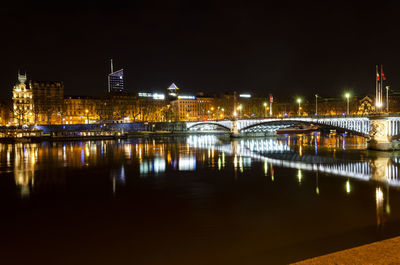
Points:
[(20, 114)]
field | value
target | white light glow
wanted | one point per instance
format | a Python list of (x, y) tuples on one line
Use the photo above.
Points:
[(145, 95), (187, 163), (379, 195), (158, 96), (186, 97)]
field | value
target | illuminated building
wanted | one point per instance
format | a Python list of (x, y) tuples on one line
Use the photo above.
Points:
[(79, 110), (48, 101), (4, 114), (115, 80), (153, 107), (191, 108), (22, 102), (115, 108), (366, 106), (172, 91), (38, 102)]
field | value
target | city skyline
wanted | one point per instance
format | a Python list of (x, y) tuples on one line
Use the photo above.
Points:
[(204, 46), (199, 132)]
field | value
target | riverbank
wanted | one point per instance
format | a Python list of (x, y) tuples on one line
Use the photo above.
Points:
[(382, 252), (108, 136)]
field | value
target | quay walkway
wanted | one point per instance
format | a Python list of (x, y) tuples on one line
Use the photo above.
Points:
[(382, 252)]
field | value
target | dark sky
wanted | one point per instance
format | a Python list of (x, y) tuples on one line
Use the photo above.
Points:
[(272, 47)]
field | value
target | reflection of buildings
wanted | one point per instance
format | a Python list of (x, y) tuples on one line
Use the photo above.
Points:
[(118, 176), (279, 153), (155, 165), (382, 205), (187, 163), (25, 158)]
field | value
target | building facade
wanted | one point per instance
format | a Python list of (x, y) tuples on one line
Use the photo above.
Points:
[(22, 102), (48, 101), (4, 114), (191, 108), (81, 110)]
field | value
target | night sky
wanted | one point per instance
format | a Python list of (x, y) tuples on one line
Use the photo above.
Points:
[(271, 47)]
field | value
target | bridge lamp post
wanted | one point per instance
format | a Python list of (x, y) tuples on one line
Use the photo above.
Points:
[(347, 96), (299, 101)]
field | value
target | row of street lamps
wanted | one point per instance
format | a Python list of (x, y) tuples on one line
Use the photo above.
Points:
[(346, 95)]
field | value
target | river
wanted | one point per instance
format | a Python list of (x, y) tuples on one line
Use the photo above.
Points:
[(196, 199)]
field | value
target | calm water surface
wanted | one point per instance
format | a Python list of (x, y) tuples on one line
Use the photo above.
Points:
[(194, 200)]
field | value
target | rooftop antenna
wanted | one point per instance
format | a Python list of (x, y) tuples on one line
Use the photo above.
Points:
[(112, 71)]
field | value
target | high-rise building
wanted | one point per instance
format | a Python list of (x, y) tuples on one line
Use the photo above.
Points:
[(116, 80)]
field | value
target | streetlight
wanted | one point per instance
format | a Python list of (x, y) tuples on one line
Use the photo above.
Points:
[(240, 110), (265, 109), (87, 115), (347, 96), (316, 104), (299, 101), (387, 99)]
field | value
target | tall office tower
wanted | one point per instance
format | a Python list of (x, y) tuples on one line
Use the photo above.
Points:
[(116, 80)]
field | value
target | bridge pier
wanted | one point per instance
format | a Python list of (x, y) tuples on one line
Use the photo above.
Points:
[(379, 135), (234, 129)]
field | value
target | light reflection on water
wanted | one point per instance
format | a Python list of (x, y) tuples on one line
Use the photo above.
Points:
[(312, 153), (153, 159), (293, 186)]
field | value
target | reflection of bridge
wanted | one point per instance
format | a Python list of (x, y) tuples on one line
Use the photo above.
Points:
[(381, 130), (278, 153)]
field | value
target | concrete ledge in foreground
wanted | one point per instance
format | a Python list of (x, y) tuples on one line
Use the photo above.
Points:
[(382, 252)]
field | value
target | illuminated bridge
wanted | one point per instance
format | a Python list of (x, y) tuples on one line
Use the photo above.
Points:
[(277, 153), (382, 130)]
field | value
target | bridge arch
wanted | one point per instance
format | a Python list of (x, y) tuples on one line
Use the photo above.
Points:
[(204, 124), (291, 122)]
